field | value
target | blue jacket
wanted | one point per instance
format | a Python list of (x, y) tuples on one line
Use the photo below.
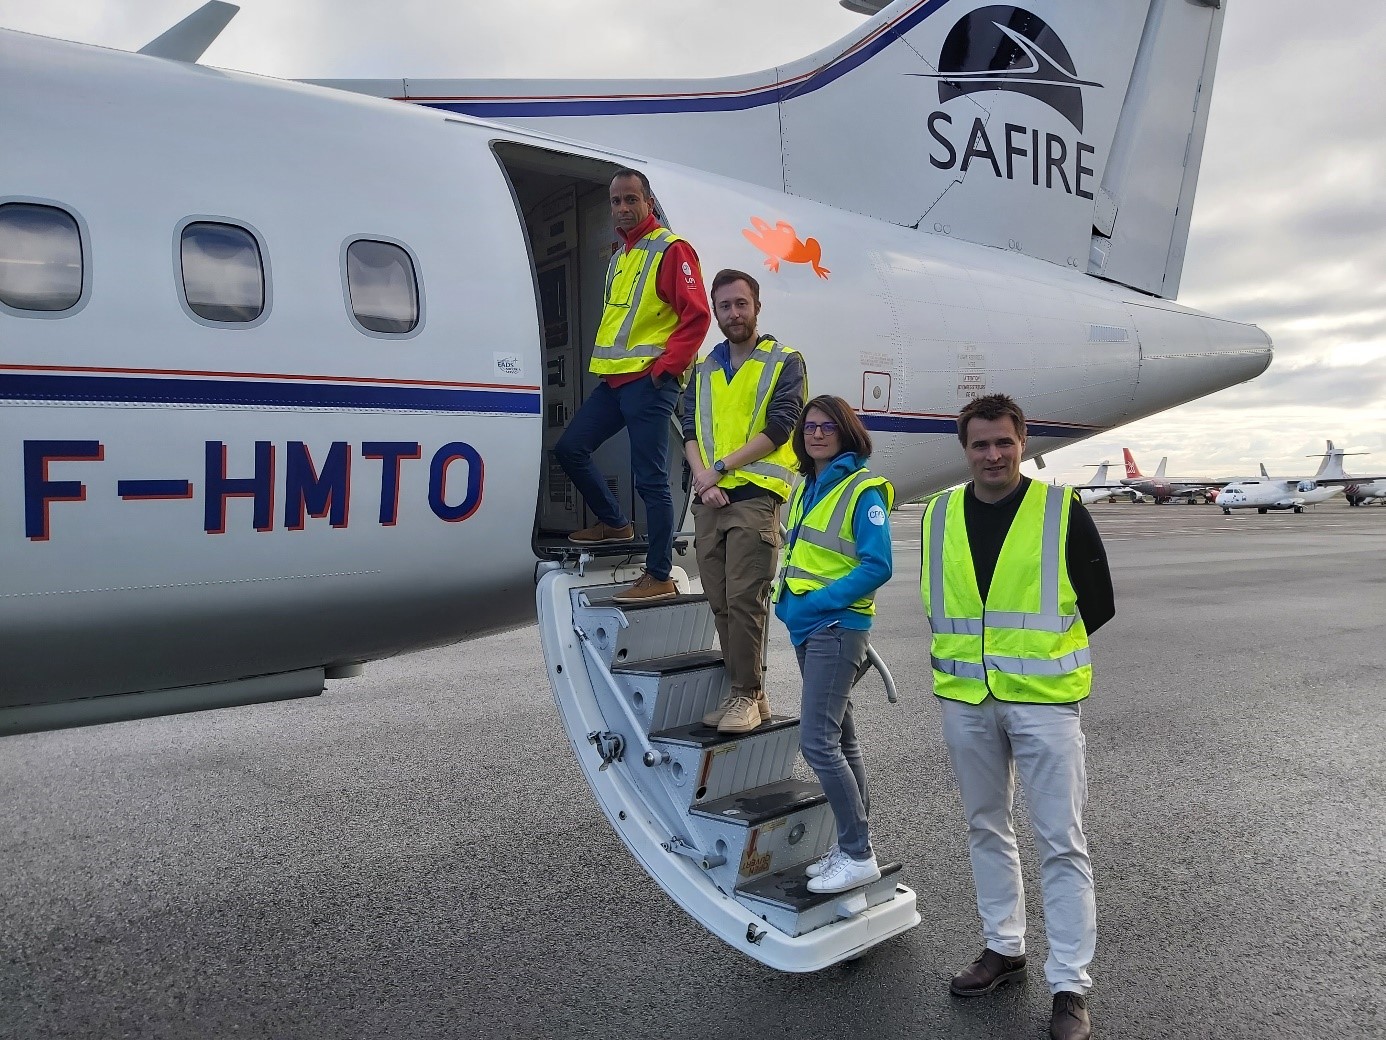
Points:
[(806, 614)]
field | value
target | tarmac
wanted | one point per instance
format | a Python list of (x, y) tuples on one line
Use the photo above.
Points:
[(414, 854)]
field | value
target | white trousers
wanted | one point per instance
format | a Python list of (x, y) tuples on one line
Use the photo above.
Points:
[(989, 744)]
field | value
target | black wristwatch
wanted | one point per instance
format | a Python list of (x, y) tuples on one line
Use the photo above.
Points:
[(720, 466)]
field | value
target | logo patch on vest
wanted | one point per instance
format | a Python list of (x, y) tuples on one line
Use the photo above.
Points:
[(876, 515)]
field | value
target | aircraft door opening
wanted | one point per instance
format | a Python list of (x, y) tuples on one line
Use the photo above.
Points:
[(564, 205)]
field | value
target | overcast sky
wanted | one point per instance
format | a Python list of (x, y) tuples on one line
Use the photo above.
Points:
[(1289, 226)]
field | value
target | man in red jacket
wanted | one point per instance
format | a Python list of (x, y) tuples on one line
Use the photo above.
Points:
[(654, 320)]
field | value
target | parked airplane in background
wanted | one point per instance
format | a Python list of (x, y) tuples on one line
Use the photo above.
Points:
[(1289, 493), (1102, 490), (283, 364), (1163, 489), (1269, 493), (1362, 490)]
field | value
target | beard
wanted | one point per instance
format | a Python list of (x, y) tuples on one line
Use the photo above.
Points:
[(739, 333)]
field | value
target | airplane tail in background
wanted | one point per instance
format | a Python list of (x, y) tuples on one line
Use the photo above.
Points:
[(1100, 477), (1160, 469), (1331, 465), (1069, 132), (1133, 472)]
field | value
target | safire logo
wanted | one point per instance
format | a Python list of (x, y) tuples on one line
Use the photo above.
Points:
[(1007, 48)]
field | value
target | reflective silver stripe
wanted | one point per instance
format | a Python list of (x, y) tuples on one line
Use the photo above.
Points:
[(618, 353), (705, 408), (769, 469), (653, 245), (770, 364), (1055, 497), (1048, 620), (770, 370), (962, 669), (937, 517), (844, 500), (1070, 662), (827, 540), (799, 572), (955, 626), (1032, 622)]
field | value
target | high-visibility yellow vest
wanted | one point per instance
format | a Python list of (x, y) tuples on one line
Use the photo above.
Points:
[(636, 323), (1027, 642), (730, 413), (823, 548)]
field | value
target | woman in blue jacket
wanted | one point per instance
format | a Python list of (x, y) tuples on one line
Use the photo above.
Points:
[(838, 556)]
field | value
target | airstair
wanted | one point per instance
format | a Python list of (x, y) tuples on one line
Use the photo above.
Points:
[(720, 822)]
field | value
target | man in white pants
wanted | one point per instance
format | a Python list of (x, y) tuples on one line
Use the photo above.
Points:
[(1013, 578)]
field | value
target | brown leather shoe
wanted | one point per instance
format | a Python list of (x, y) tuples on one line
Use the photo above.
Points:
[(1069, 1019), (988, 971), (603, 534), (647, 589)]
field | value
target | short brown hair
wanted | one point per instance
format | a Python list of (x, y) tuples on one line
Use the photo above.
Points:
[(854, 436), (726, 276), (991, 407)]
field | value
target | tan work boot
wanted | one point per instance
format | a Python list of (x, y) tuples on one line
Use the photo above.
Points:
[(647, 589), (745, 713), (603, 534)]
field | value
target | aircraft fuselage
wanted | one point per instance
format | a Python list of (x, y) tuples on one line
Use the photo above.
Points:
[(192, 501)]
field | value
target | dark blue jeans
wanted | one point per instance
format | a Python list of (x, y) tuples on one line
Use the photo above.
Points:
[(828, 660), (645, 410)]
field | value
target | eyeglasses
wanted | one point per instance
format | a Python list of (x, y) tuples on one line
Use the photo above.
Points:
[(827, 429)]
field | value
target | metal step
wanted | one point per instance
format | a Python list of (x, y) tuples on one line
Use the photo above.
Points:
[(669, 692), (780, 825), (782, 899), (623, 633), (705, 766)]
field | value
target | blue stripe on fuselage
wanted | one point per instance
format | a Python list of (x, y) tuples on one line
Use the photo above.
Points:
[(262, 393), (115, 389)]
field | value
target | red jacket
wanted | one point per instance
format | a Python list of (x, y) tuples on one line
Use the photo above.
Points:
[(685, 294)]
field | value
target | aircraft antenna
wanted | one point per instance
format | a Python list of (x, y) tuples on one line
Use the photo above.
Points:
[(190, 38)]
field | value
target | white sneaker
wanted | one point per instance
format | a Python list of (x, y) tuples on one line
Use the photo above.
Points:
[(823, 862), (846, 873)]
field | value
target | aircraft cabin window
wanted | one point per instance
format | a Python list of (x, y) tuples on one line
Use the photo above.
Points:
[(382, 287), (223, 273), (40, 258)]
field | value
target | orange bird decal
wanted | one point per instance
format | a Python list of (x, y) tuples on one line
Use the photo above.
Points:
[(781, 243)]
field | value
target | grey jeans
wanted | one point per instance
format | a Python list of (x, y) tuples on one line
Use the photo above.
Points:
[(828, 660)]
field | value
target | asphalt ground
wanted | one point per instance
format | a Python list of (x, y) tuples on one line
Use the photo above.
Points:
[(414, 854)]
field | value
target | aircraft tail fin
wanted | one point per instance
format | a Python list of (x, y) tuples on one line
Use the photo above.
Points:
[(190, 38), (1160, 469), (1069, 132), (1331, 463), (1263, 471), (1133, 472), (1100, 477)]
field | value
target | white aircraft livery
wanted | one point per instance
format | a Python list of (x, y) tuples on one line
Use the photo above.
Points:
[(282, 364), (1289, 492)]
